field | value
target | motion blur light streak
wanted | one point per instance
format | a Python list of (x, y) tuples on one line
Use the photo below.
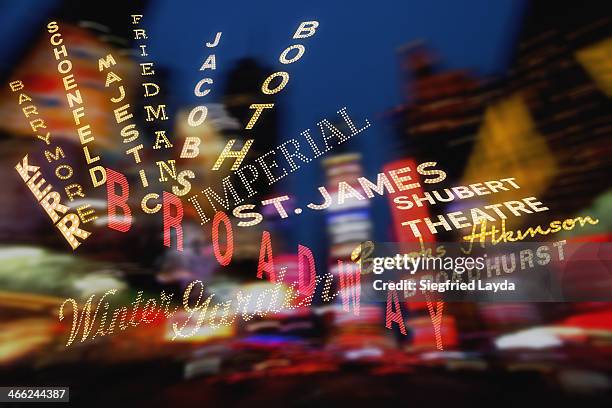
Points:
[(476, 111)]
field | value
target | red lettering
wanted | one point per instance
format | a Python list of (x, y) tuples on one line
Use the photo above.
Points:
[(115, 201), (436, 319), (350, 287), (226, 258), (394, 316), (306, 289), (265, 251), (173, 221)]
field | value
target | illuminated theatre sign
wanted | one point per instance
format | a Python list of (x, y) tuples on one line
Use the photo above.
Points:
[(49, 199), (237, 186), (75, 101), (198, 114)]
